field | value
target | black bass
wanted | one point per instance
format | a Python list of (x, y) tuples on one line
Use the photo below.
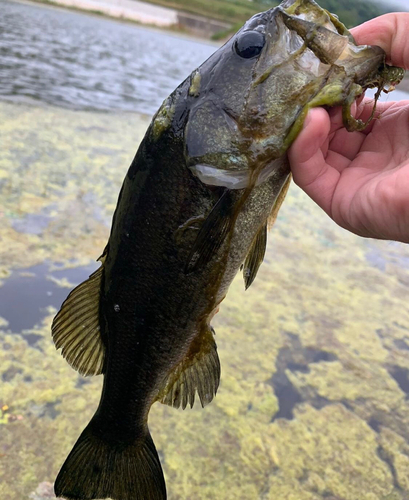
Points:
[(207, 180)]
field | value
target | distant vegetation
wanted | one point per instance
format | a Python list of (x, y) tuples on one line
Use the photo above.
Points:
[(229, 11), (236, 12), (354, 12)]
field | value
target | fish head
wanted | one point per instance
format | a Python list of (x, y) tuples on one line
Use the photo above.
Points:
[(248, 101)]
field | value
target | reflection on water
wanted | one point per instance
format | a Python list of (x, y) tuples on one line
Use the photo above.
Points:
[(26, 294), (87, 62)]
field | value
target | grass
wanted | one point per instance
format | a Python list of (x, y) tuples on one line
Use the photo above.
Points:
[(236, 12), (230, 11)]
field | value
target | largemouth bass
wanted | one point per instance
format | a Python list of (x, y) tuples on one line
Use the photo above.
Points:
[(206, 181)]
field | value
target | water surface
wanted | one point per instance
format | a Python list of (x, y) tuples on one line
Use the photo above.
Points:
[(27, 294), (88, 62)]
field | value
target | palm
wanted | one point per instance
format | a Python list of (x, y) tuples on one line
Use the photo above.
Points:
[(360, 179)]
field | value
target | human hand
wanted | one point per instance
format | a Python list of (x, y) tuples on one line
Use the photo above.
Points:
[(361, 179)]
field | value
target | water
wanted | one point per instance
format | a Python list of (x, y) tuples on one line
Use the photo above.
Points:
[(314, 395), (88, 62), (26, 295)]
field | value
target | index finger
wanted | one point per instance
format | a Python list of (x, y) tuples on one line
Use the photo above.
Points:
[(390, 32)]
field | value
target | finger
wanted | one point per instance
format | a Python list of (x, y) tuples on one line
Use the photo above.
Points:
[(346, 144), (313, 135), (365, 108), (390, 33), (338, 161), (362, 110), (309, 167)]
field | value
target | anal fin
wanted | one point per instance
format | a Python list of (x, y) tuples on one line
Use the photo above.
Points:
[(198, 372), (76, 328), (255, 257)]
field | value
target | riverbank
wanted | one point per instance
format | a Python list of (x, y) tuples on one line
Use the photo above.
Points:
[(130, 10), (147, 15)]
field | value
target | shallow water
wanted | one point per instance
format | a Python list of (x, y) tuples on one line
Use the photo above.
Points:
[(26, 295), (313, 402)]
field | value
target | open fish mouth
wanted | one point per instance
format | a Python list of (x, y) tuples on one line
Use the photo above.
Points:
[(353, 68), (326, 49), (306, 58)]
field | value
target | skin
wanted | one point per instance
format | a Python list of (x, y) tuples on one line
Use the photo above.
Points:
[(361, 179)]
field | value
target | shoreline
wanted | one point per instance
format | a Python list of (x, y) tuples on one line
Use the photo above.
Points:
[(124, 16), (19, 100)]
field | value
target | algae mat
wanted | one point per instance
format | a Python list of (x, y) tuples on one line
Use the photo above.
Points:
[(313, 400)]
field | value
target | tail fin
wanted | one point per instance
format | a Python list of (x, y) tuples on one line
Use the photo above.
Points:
[(96, 469)]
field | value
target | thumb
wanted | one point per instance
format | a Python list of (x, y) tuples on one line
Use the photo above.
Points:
[(307, 159), (389, 32)]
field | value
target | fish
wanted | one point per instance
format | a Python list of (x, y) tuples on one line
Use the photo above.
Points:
[(207, 181)]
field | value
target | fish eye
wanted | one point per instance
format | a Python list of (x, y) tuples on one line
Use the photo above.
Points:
[(249, 44)]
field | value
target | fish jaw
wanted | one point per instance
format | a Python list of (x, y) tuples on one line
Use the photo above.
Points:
[(322, 66), (309, 59)]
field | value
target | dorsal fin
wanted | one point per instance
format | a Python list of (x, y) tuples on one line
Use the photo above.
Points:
[(76, 328), (198, 372)]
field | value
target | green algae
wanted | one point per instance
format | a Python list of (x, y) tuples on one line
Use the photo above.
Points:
[(313, 399)]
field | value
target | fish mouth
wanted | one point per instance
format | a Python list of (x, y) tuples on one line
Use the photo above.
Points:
[(331, 43), (316, 54), (310, 59), (339, 70)]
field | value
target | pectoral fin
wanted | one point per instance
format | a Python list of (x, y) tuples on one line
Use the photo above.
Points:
[(258, 248), (213, 232), (255, 257), (198, 372), (279, 201), (76, 328)]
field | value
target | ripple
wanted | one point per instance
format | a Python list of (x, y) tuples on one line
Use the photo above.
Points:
[(80, 61)]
